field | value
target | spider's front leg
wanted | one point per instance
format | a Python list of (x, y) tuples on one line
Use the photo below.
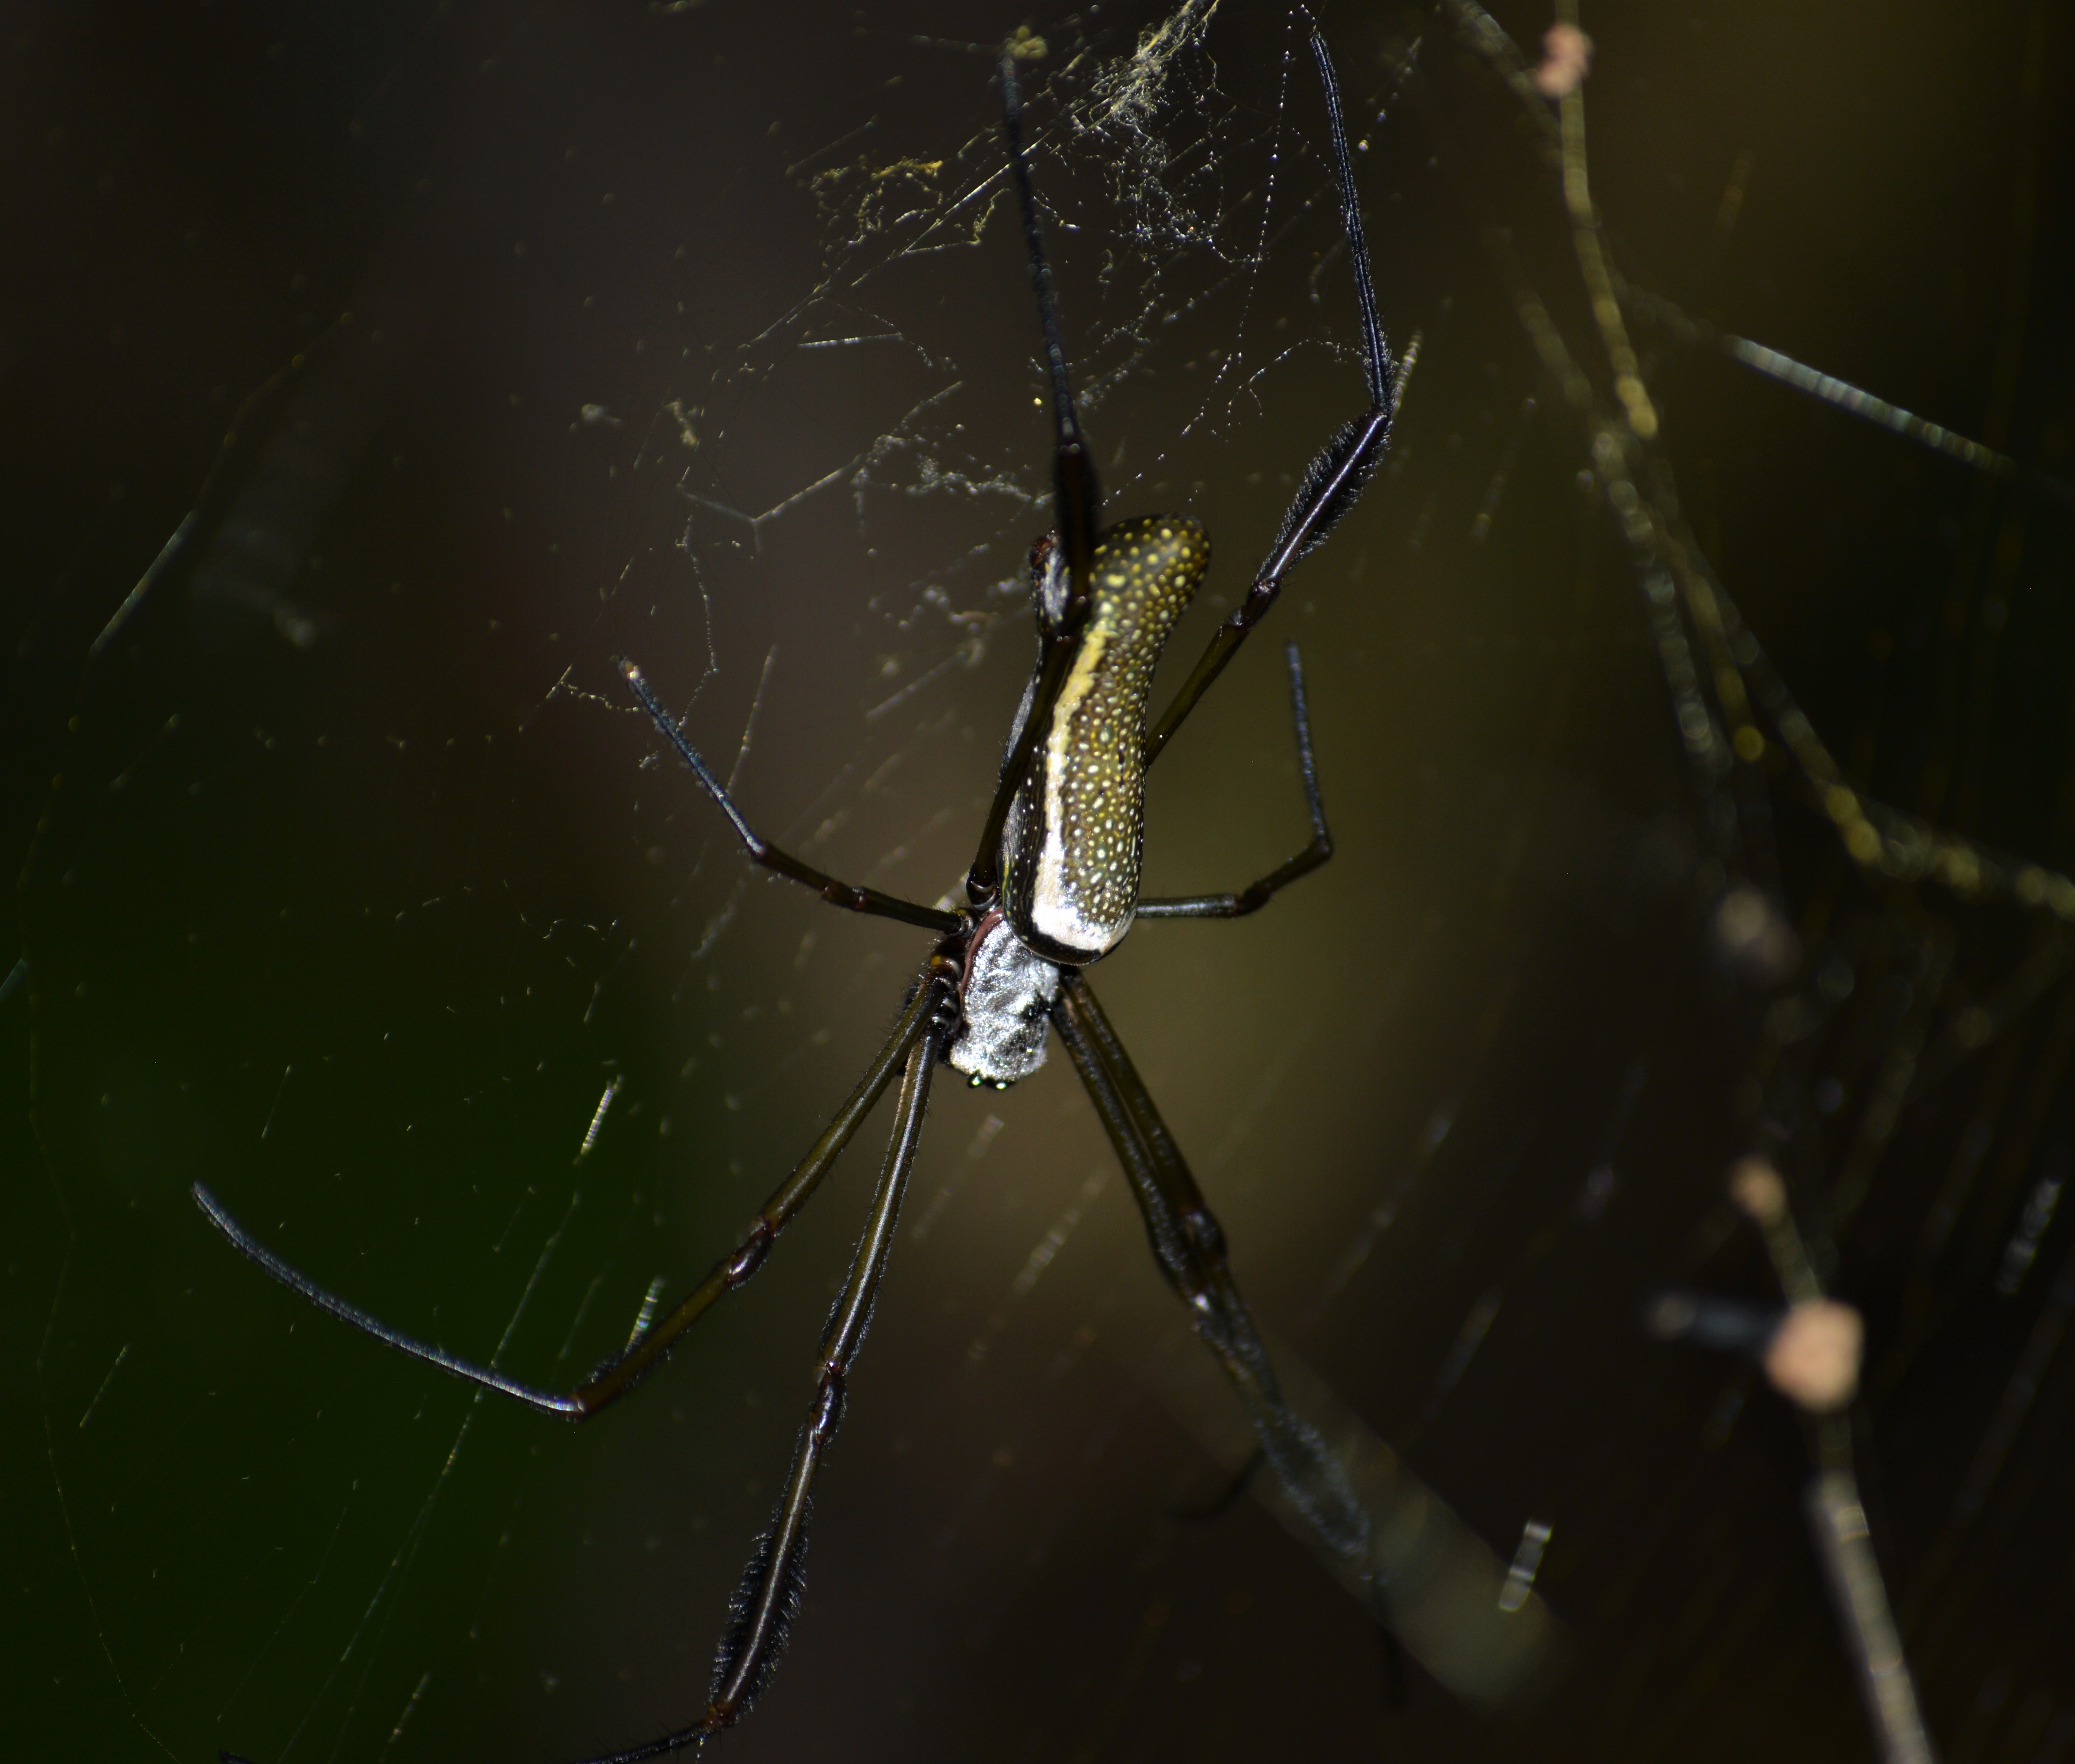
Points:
[(1076, 505), (1337, 477)]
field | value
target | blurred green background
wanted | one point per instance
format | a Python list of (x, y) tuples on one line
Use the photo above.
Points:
[(346, 881)]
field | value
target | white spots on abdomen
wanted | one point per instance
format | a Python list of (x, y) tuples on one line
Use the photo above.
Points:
[(1071, 877)]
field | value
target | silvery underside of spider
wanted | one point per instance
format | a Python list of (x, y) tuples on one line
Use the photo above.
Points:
[(1005, 1005)]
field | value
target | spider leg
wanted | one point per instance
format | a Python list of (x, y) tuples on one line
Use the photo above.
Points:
[(769, 1596), (625, 1369), (1076, 501), (761, 850), (1189, 1245), (1336, 478), (1256, 895)]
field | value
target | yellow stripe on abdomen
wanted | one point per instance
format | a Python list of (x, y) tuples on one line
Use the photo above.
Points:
[(1070, 882)]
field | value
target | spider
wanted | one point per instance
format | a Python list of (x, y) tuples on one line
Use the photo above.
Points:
[(1053, 888)]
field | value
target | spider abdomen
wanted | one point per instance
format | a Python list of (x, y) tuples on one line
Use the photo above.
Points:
[(1071, 849)]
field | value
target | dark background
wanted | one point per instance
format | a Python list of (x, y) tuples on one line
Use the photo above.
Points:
[(344, 881)]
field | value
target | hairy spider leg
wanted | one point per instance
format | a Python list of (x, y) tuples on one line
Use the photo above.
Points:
[(1189, 1245), (1256, 895), (1336, 478), (1077, 510), (761, 850), (769, 1598), (618, 1375)]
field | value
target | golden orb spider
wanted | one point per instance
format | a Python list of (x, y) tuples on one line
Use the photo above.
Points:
[(1052, 887)]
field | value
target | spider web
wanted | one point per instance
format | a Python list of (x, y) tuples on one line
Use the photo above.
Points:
[(350, 884)]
